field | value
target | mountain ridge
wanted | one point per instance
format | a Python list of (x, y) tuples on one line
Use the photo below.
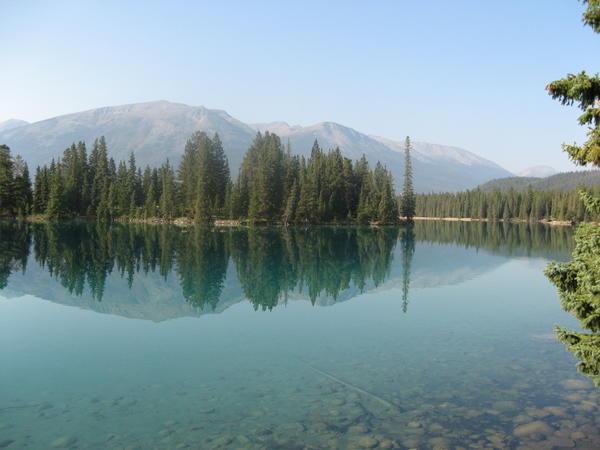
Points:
[(155, 131), (11, 124), (539, 171)]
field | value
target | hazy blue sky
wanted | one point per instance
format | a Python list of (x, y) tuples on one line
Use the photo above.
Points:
[(466, 73)]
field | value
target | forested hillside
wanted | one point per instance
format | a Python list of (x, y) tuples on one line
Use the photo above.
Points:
[(529, 205), (566, 181)]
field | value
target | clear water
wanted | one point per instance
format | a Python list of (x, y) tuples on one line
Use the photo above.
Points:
[(156, 337)]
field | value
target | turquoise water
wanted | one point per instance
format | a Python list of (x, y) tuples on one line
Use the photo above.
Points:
[(157, 337)]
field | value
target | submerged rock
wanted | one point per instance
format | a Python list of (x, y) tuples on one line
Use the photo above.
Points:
[(386, 443), (575, 435), (439, 443), (358, 429), (367, 442), (557, 411), (5, 442), (533, 428)]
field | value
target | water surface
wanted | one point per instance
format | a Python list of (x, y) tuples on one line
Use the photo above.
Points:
[(436, 336)]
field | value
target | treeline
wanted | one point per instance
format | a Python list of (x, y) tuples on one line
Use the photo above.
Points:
[(272, 186), (15, 185), (529, 205)]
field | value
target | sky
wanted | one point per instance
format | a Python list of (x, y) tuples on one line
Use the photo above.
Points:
[(464, 73)]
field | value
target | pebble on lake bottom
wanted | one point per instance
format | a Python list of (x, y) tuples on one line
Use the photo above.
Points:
[(533, 428)]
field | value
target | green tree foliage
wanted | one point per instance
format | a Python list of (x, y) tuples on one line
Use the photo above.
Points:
[(23, 195), (55, 209), (167, 205), (203, 177), (526, 205), (272, 186), (578, 281), (7, 181), (407, 200), (16, 197), (583, 90)]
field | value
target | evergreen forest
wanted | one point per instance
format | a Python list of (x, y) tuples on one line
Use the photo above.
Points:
[(272, 186)]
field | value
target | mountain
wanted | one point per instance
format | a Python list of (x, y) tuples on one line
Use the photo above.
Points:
[(560, 182), (538, 172), (154, 131), (158, 130), (435, 167), (12, 123)]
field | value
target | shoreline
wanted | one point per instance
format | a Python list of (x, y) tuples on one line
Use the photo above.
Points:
[(561, 223), (187, 222)]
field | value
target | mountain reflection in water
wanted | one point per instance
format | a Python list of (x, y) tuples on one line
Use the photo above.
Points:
[(162, 272)]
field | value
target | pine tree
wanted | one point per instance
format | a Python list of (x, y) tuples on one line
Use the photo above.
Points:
[(188, 172), (289, 214), (408, 201), (364, 213), (150, 198), (22, 187), (306, 206), (387, 210), (103, 210), (203, 210), (101, 175), (577, 280), (55, 209), (6, 182), (167, 197), (220, 172), (41, 190), (84, 178)]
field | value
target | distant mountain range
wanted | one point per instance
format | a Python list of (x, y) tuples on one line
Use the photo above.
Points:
[(560, 182), (538, 172), (158, 130)]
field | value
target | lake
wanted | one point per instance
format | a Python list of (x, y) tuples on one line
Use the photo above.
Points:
[(437, 336)]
